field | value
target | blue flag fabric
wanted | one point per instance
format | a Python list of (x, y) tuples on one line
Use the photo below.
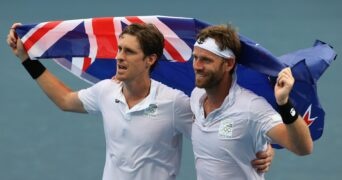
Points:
[(87, 48)]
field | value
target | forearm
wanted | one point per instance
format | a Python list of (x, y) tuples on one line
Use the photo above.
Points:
[(57, 91), (294, 134), (54, 89), (299, 137)]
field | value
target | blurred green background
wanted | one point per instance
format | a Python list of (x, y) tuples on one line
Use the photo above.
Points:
[(40, 142)]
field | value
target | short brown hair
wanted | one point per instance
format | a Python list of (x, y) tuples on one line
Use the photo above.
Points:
[(225, 36), (151, 40)]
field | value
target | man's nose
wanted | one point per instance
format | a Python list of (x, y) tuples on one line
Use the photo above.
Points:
[(197, 65), (119, 55)]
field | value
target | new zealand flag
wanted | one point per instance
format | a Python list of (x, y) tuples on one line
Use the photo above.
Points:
[(88, 47)]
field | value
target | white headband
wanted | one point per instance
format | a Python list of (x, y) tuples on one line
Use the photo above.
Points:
[(210, 45)]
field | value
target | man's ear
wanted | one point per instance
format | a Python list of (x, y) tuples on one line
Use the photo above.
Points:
[(230, 63), (151, 59)]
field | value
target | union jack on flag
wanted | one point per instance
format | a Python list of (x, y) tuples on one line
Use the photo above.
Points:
[(82, 45), (88, 47)]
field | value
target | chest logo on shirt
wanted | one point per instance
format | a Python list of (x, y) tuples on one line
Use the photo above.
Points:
[(151, 110), (225, 129)]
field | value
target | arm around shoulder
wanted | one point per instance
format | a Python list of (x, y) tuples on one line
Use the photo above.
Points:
[(183, 114)]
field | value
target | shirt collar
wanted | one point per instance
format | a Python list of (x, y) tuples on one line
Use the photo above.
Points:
[(228, 102), (149, 100)]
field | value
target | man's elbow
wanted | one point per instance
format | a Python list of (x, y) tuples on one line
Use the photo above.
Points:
[(64, 107), (306, 150), (70, 104)]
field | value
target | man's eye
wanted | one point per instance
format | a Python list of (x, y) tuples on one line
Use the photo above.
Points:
[(205, 60), (128, 51)]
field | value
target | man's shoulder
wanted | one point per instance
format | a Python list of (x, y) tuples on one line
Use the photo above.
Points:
[(197, 92), (196, 95), (247, 94), (166, 90), (249, 97), (106, 85), (108, 82)]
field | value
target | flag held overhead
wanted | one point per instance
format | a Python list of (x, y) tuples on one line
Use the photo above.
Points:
[(87, 48)]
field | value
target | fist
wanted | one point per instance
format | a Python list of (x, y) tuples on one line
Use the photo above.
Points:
[(283, 86)]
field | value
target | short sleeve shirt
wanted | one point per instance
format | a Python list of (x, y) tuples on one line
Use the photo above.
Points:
[(226, 141), (142, 142)]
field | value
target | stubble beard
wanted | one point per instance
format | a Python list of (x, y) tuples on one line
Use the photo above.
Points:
[(208, 81)]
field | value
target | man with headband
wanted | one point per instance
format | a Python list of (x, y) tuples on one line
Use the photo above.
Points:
[(232, 123)]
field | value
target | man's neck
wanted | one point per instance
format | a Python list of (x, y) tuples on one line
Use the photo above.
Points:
[(216, 95), (136, 91)]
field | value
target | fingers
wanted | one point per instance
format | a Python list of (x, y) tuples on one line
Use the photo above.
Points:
[(262, 154), (286, 71), (12, 37), (15, 25), (263, 160), (263, 169), (116, 80), (285, 77), (283, 87), (261, 165), (15, 43)]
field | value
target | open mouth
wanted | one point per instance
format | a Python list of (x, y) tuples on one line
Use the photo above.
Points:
[(121, 67)]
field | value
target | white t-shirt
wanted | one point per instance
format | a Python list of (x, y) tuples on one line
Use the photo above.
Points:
[(226, 141), (143, 142)]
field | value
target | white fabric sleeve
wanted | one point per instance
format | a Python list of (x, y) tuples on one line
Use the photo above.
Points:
[(182, 114), (90, 97), (195, 97), (263, 118)]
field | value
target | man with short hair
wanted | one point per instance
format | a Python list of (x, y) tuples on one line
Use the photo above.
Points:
[(143, 119), (232, 123)]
